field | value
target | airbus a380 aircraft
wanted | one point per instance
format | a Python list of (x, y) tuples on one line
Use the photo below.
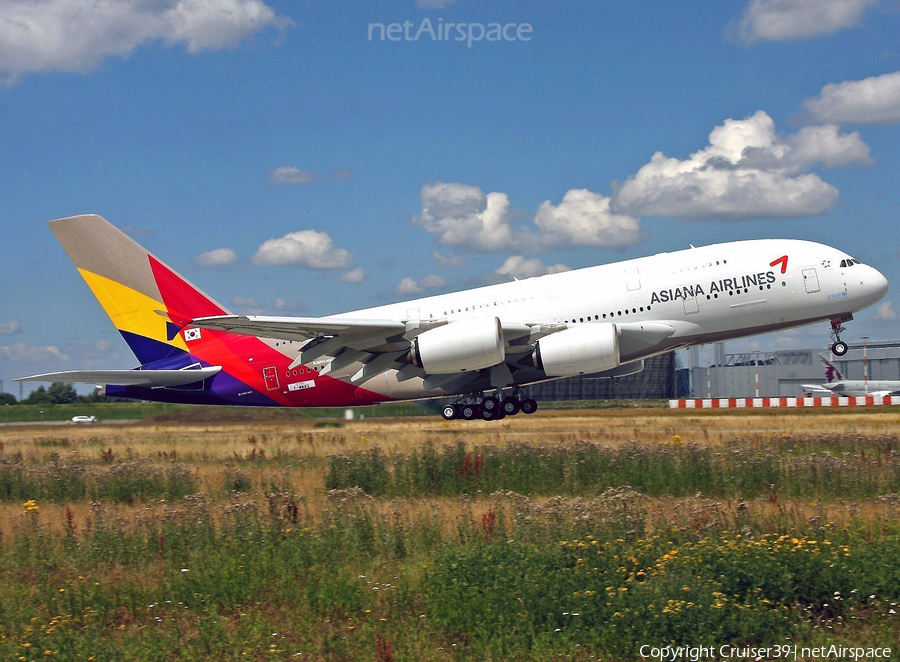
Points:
[(473, 344)]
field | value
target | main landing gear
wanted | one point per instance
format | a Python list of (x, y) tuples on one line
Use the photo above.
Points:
[(839, 347), (488, 408)]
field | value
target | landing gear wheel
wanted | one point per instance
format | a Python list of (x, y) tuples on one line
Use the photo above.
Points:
[(510, 406), (448, 412), (839, 348), (489, 414), (470, 412), (528, 406), (490, 404)]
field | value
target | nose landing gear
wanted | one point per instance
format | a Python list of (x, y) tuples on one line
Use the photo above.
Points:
[(839, 347)]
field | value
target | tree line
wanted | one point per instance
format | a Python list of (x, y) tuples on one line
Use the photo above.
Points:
[(58, 393)]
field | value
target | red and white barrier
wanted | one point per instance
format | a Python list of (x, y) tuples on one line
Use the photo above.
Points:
[(739, 403)]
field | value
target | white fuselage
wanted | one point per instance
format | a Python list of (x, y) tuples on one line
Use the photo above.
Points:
[(706, 294), (860, 387)]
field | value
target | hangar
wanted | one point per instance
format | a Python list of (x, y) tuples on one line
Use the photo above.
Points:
[(732, 375), (782, 373)]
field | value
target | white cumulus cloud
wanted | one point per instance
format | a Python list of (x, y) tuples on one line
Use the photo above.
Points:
[(409, 286), (462, 215), (22, 353), (583, 218), (884, 312), (216, 258), (19, 360), (449, 261), (467, 218), (247, 305), (519, 266), (433, 282), (10, 328), (747, 171), (289, 304), (356, 275), (867, 101), (778, 20), (825, 144), (96, 353), (75, 35), (307, 248), (291, 175)]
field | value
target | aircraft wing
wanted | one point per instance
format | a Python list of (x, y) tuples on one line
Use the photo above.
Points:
[(374, 342), (147, 378), (360, 333), (333, 336), (301, 328)]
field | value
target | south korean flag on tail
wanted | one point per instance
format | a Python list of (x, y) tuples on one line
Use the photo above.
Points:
[(191, 334)]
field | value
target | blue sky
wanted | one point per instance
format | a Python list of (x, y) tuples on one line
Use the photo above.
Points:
[(287, 164)]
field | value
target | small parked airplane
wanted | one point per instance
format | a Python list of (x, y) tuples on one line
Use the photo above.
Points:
[(468, 345), (835, 384)]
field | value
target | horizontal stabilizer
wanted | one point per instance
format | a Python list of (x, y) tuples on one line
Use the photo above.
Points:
[(147, 378)]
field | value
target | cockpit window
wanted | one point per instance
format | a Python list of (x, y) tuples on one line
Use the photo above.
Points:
[(849, 262)]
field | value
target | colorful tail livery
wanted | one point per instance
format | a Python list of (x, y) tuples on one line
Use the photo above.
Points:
[(151, 306), (146, 301), (473, 345)]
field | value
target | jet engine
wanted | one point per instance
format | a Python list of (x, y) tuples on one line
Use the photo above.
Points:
[(470, 344), (577, 351)]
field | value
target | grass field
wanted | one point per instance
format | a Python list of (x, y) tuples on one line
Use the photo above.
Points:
[(161, 411), (580, 534)]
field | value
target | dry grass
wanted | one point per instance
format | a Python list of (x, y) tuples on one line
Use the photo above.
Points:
[(280, 456), (217, 443), (266, 538)]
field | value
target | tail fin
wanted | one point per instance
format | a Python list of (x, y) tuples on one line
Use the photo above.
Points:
[(832, 374), (146, 300)]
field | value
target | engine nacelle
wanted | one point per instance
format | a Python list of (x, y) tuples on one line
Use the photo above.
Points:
[(470, 344), (578, 351)]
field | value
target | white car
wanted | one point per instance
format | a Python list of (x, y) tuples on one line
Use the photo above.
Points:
[(84, 419)]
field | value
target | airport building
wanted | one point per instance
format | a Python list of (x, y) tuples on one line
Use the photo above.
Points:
[(656, 381), (739, 375), (782, 373)]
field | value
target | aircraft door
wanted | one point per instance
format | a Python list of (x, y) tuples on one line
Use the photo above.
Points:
[(632, 279), (691, 305), (811, 280), (270, 376)]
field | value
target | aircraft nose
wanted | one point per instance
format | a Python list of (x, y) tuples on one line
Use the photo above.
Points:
[(876, 284)]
